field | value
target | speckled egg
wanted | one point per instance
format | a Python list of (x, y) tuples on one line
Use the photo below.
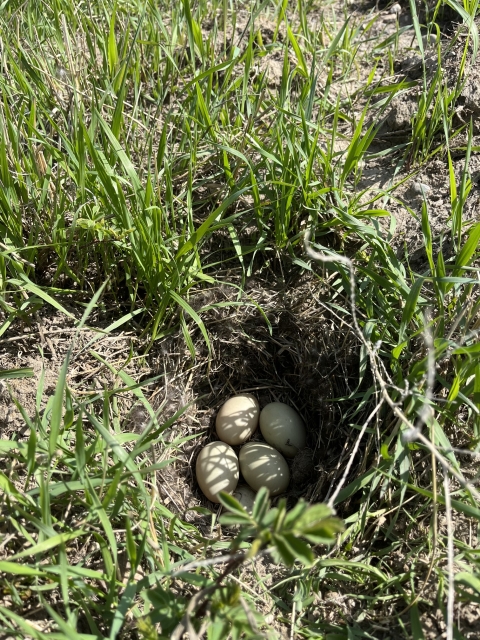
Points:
[(237, 419), (283, 428), (263, 466), (217, 469)]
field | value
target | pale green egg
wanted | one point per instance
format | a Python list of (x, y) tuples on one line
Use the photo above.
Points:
[(283, 428), (217, 470), (263, 466)]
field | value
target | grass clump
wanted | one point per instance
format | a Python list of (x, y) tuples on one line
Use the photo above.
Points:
[(201, 199)]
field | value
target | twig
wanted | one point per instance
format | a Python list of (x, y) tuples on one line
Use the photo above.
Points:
[(413, 431), (331, 501), (200, 599), (249, 614), (206, 563), (450, 556), (185, 624), (447, 467), (292, 623)]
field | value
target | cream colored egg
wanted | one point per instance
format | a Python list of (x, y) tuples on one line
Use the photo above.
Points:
[(246, 497), (283, 428), (237, 419), (263, 466), (217, 470)]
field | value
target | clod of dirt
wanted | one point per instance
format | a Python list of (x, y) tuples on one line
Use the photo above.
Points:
[(413, 66), (400, 116), (303, 468), (418, 189), (137, 419), (470, 94)]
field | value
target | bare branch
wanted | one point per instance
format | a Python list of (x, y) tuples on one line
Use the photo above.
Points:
[(450, 555)]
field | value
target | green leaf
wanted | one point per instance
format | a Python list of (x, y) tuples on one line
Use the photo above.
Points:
[(410, 308), (112, 45), (356, 485), (469, 21), (131, 544), (49, 543), (122, 156), (205, 226), (317, 525), (417, 632), (261, 504), (7, 486), (57, 406), (186, 307), (313, 516), (470, 350), (354, 567), (324, 532), (397, 352), (285, 551), (207, 73), (232, 504), (302, 65), (384, 451), (300, 549), (441, 441), (458, 505), (228, 519), (13, 445), (19, 569), (471, 580), (37, 291), (476, 387), (416, 26), (10, 374), (218, 630), (294, 514), (427, 236), (126, 603), (471, 245)]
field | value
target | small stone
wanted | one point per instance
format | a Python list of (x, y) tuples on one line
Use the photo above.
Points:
[(421, 189), (429, 41), (395, 9)]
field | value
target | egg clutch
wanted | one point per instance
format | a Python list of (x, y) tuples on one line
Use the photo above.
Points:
[(262, 464)]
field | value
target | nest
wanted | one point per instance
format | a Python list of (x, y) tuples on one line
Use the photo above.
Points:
[(296, 350)]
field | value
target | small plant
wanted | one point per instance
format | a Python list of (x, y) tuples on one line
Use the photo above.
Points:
[(279, 533)]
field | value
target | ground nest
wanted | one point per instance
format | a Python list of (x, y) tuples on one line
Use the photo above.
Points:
[(294, 350)]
